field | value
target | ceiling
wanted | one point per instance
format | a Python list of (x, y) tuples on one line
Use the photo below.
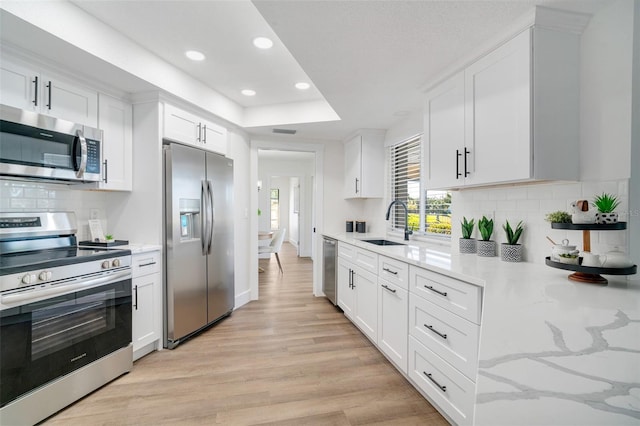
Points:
[(369, 60)]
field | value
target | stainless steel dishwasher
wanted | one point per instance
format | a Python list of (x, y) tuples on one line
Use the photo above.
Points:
[(329, 256)]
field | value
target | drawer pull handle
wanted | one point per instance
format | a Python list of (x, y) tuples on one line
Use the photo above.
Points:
[(442, 388), (390, 271), (443, 293), (430, 327), (390, 289), (146, 264)]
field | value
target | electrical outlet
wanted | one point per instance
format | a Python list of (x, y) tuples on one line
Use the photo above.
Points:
[(95, 214)]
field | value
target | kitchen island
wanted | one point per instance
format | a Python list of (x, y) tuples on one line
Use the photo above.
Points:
[(551, 351)]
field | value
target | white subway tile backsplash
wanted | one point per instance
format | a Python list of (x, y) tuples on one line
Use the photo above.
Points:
[(531, 203)]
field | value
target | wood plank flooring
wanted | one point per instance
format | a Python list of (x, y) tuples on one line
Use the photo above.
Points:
[(287, 359)]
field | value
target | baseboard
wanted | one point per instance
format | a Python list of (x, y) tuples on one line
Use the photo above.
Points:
[(242, 299)]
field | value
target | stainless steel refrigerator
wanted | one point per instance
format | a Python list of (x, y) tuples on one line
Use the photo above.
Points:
[(198, 228)]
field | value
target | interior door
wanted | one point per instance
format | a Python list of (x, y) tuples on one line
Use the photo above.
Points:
[(220, 276), (186, 261)]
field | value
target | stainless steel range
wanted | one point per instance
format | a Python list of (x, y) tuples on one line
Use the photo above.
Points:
[(65, 316)]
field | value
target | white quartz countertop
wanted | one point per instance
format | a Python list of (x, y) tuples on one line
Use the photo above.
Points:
[(552, 351), (141, 248)]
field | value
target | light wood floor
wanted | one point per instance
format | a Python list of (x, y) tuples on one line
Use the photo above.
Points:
[(287, 359)]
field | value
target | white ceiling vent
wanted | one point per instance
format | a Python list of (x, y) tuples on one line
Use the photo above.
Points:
[(285, 131)]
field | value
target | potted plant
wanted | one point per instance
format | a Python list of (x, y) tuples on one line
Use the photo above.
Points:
[(486, 247), (558, 217), (467, 244), (606, 204), (511, 251)]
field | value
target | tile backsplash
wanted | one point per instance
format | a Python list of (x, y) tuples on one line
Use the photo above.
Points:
[(24, 196), (530, 203)]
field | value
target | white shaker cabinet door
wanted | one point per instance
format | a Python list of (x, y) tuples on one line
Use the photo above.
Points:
[(444, 135), (393, 324), (498, 113), (18, 86), (181, 126), (69, 101), (144, 321), (352, 168), (114, 119), (346, 291), (366, 286)]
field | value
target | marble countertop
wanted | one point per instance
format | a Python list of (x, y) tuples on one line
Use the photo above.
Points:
[(552, 351)]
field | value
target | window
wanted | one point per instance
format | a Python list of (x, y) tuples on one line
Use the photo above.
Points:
[(429, 212), (274, 203)]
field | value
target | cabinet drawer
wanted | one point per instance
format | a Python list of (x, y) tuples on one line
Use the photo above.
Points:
[(461, 298), (367, 260), (346, 251), (453, 338), (394, 271), (145, 263), (448, 389)]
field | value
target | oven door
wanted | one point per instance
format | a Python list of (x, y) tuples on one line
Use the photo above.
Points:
[(48, 338), (37, 146)]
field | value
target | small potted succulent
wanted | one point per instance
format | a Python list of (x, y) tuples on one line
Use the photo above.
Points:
[(467, 244), (486, 247), (558, 217), (511, 251), (606, 204)]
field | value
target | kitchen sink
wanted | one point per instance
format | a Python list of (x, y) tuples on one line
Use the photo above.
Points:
[(384, 243)]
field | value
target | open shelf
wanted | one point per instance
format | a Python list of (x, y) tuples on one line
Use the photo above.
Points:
[(618, 226), (590, 269)]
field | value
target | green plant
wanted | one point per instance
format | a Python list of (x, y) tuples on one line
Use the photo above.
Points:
[(467, 228), (513, 235), (558, 217), (606, 203), (485, 226), (108, 237), (259, 212)]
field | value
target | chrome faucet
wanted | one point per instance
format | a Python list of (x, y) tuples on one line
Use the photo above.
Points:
[(407, 232)]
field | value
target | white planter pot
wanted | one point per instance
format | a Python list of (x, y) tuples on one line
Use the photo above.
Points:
[(511, 252), (486, 248), (467, 245), (604, 218)]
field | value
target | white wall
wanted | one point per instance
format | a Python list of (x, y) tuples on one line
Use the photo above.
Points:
[(634, 185)]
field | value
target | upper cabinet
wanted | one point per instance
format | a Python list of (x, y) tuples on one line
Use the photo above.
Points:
[(182, 126), (510, 116), (114, 119), (31, 89), (364, 165)]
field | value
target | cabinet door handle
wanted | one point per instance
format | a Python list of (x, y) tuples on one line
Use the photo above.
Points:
[(35, 92), (466, 152), (390, 289), (199, 138), (106, 171), (146, 264), (442, 293), (204, 134), (390, 271), (135, 290), (357, 185), (430, 327), (458, 155), (442, 388), (49, 87)]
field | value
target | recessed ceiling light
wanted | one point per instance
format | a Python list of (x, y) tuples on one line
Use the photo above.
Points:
[(262, 43), (302, 85), (248, 92), (194, 55)]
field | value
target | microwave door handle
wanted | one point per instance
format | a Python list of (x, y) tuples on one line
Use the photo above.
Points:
[(212, 215), (83, 153)]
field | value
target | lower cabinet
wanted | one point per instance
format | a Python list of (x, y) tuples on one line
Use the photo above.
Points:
[(392, 322), (358, 297), (146, 321)]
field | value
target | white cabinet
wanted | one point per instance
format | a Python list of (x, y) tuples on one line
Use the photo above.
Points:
[(364, 165), (114, 119), (32, 89), (147, 303), (393, 322), (444, 329), (182, 126), (510, 116), (357, 288)]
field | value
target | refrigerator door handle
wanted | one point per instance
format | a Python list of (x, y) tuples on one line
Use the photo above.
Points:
[(203, 217), (212, 215)]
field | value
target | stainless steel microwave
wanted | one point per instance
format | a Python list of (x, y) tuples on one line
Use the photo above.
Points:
[(37, 146)]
